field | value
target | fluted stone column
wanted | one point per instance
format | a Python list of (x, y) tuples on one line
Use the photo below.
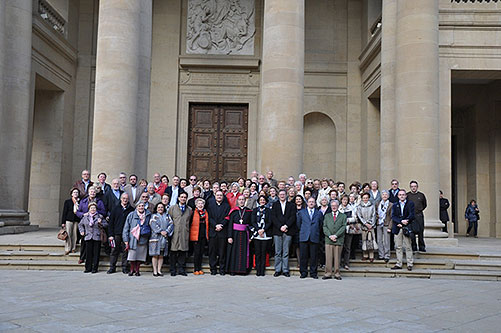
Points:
[(387, 120), (282, 86), (15, 97), (417, 109), (118, 80)]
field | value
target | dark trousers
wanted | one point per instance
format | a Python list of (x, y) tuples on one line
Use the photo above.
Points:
[(261, 247), (217, 254), (472, 225), (177, 261), (198, 253), (115, 252), (348, 238), (93, 250), (419, 232), (82, 250), (308, 252)]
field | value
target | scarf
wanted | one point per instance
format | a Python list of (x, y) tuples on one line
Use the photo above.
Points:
[(141, 216), (91, 223), (261, 214), (201, 213), (75, 205)]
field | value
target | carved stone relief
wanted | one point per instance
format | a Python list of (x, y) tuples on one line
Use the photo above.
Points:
[(220, 27)]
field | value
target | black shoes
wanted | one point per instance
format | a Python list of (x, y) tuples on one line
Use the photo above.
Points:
[(386, 261), (409, 268), (138, 274), (110, 271), (326, 277), (125, 271), (173, 274), (303, 276), (131, 273), (315, 277), (87, 271), (213, 273), (396, 267), (222, 273), (277, 274), (337, 278), (287, 274), (422, 250), (183, 274), (94, 271)]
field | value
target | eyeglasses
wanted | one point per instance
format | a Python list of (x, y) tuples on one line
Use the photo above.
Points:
[(394, 183), (193, 179)]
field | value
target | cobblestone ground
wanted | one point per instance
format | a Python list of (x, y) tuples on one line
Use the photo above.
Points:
[(58, 301)]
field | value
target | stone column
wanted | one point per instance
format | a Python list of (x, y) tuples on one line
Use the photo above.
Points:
[(387, 120), (15, 112), (417, 109), (282, 86), (118, 82)]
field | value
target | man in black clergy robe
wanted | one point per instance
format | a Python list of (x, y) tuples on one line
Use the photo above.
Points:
[(218, 209)]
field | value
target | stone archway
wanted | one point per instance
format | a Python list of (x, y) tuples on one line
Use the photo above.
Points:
[(319, 146)]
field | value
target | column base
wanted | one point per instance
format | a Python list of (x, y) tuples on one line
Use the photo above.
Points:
[(441, 242), (15, 222), (14, 218)]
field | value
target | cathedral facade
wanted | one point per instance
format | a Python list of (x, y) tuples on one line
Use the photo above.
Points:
[(352, 90)]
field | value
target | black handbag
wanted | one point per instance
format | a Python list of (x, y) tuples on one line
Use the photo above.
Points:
[(407, 231)]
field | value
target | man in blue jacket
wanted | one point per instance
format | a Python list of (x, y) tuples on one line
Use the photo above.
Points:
[(309, 221), (402, 217)]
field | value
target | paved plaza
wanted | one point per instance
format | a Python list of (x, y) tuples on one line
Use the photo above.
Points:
[(57, 301)]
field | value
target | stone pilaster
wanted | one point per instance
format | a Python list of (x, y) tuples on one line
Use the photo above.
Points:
[(119, 90), (282, 86), (417, 109), (388, 57), (15, 111)]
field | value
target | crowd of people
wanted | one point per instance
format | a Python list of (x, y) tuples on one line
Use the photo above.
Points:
[(241, 224)]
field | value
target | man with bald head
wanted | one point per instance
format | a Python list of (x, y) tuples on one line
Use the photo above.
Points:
[(111, 198), (159, 185), (115, 227)]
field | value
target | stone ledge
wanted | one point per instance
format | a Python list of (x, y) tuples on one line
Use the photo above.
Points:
[(17, 229)]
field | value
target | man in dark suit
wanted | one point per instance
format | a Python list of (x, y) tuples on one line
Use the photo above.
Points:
[(133, 190), (402, 216), (83, 184), (393, 191), (174, 190), (309, 222), (115, 227), (218, 209), (102, 185), (283, 215), (111, 198)]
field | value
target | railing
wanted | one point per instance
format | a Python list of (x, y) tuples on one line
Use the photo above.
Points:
[(50, 15)]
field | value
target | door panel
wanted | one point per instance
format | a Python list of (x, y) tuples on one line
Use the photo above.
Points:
[(218, 141)]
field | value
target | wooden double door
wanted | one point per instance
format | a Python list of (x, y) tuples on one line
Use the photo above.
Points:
[(217, 143)]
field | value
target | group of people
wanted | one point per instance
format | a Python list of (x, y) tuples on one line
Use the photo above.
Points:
[(241, 224)]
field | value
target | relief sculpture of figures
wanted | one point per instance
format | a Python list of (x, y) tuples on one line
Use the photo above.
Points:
[(220, 27)]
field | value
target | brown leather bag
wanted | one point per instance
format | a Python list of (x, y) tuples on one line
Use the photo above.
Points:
[(62, 234)]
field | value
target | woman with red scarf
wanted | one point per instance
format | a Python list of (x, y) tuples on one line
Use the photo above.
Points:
[(237, 261), (199, 234)]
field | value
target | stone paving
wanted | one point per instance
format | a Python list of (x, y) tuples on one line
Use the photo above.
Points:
[(57, 301)]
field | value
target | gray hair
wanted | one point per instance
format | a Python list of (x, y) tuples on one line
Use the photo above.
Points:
[(150, 184), (385, 192), (197, 200)]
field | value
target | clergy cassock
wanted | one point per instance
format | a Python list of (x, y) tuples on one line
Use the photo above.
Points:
[(237, 260)]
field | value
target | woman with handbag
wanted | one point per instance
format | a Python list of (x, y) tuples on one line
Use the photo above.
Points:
[(69, 221), (348, 207), (161, 229), (366, 214), (91, 226), (136, 234)]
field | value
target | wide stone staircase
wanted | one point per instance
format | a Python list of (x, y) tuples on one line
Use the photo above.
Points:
[(41, 251)]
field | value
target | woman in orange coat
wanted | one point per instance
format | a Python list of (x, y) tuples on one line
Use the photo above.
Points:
[(199, 233)]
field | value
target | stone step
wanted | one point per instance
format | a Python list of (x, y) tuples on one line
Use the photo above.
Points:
[(58, 256), (354, 271)]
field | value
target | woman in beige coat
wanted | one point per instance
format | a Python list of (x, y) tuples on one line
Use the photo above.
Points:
[(366, 214)]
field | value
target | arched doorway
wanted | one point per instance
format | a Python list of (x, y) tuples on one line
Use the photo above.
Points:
[(319, 146)]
